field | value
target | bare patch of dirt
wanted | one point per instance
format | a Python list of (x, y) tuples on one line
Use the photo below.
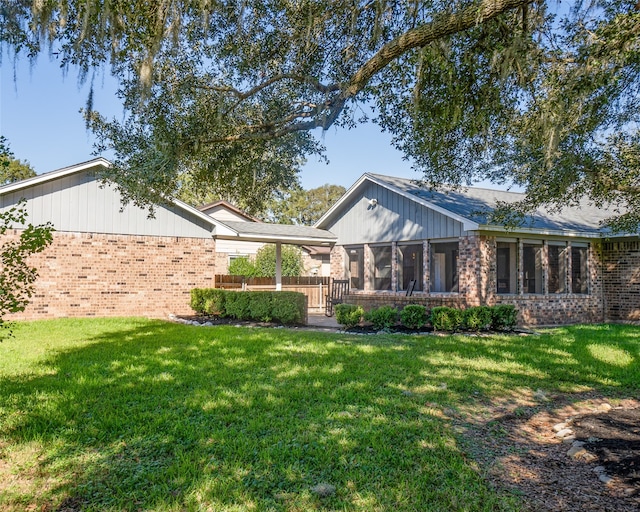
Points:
[(518, 447)]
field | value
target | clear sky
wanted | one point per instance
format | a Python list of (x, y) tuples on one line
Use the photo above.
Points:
[(39, 116)]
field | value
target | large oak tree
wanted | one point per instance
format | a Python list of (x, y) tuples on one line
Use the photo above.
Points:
[(227, 94)]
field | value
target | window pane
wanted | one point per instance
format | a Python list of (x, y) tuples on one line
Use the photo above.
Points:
[(557, 268), (356, 267), (506, 267), (532, 268), (381, 268), (410, 263), (579, 282), (444, 267)]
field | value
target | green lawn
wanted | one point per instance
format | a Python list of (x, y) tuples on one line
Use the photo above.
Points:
[(130, 414)]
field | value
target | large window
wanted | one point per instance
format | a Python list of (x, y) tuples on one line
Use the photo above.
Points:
[(381, 267), (532, 267), (579, 279), (557, 254), (356, 267), (410, 263), (506, 267), (444, 267)]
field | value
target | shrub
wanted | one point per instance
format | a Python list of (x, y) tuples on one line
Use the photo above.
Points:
[(237, 305), (260, 306), (413, 316), (288, 307), (348, 315), (504, 317), (383, 317), (477, 318), (444, 318), (197, 300), (208, 301)]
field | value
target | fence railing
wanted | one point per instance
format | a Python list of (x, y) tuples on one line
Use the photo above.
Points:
[(314, 287)]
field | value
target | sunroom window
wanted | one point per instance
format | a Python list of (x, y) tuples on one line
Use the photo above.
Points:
[(532, 267), (557, 256), (506, 267), (356, 267), (410, 266), (579, 279), (381, 267), (444, 267)]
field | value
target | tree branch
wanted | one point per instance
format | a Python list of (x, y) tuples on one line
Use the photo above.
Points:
[(441, 26)]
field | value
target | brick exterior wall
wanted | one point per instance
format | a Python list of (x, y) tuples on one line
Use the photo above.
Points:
[(621, 275), (477, 286), (85, 274)]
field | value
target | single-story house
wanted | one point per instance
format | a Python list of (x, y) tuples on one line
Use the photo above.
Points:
[(107, 259), (400, 243)]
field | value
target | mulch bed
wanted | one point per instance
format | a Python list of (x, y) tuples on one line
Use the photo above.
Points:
[(518, 448)]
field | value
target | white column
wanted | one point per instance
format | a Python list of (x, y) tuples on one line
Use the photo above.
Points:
[(278, 266)]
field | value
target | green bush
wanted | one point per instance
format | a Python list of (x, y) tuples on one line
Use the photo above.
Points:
[(444, 318), (237, 305), (504, 317), (348, 315), (383, 317), (260, 306), (477, 318), (197, 300), (414, 316), (208, 301), (241, 266), (288, 307)]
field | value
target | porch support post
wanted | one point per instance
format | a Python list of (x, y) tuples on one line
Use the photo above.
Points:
[(278, 266)]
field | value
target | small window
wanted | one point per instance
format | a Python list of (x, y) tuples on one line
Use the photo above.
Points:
[(506, 268), (532, 268), (557, 268), (579, 280), (356, 267), (410, 266), (444, 267), (381, 267)]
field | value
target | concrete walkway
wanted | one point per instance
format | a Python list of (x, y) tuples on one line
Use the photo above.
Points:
[(321, 320)]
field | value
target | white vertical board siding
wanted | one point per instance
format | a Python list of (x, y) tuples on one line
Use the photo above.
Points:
[(78, 203), (393, 218)]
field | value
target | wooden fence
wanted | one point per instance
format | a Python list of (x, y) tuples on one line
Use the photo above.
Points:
[(315, 288)]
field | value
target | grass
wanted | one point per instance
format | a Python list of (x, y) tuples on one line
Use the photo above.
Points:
[(131, 414)]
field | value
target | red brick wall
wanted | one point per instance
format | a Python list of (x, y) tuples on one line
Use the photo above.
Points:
[(621, 276), (85, 274)]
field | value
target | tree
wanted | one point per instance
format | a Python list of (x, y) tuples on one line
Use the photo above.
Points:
[(265, 262), (12, 169), (17, 277), (303, 207), (536, 94)]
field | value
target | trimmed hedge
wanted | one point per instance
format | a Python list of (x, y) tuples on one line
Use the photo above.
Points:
[(263, 306), (501, 317), (383, 317), (348, 315), (414, 316), (444, 318)]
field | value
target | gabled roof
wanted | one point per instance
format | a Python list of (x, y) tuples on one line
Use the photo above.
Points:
[(470, 206), (227, 205)]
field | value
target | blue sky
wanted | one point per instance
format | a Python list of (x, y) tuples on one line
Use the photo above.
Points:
[(39, 116)]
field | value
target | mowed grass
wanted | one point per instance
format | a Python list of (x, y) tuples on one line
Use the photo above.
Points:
[(131, 414)]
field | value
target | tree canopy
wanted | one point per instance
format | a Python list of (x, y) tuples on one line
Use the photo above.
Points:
[(541, 95), (300, 206), (12, 169)]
